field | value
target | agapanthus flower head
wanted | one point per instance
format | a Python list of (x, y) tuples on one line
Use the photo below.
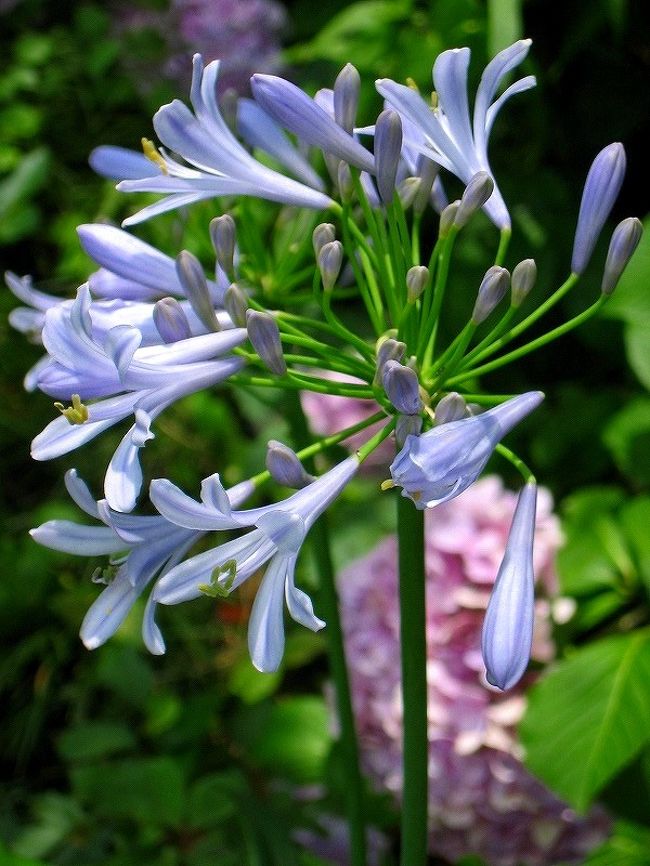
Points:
[(275, 536), (482, 800), (443, 462), (508, 627), (446, 134)]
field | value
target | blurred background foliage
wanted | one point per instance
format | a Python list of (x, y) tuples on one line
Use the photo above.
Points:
[(118, 758)]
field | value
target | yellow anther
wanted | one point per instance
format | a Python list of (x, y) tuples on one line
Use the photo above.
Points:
[(434, 100), (152, 154), (75, 414), (388, 484), (410, 83)]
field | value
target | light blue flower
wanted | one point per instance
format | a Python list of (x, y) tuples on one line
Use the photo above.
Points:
[(217, 163), (444, 461), (508, 626), (446, 134), (275, 537), (130, 379), (602, 186), (140, 547)]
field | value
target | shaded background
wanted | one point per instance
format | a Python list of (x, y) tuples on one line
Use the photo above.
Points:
[(198, 744)]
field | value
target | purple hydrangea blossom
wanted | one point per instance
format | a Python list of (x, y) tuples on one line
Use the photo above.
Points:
[(482, 800)]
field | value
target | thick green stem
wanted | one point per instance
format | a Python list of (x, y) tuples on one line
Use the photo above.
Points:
[(410, 523), (320, 544)]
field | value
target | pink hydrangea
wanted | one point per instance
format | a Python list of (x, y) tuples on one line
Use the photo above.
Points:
[(482, 800)]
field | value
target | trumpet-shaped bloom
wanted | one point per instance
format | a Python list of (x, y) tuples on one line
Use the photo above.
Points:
[(141, 548), (508, 627), (446, 134), (217, 163), (132, 380), (275, 537), (444, 461)]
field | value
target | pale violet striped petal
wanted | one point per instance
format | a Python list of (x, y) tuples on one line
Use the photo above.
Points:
[(105, 284), (80, 493), (171, 202), (259, 130), (266, 624), (518, 87), (117, 163), (120, 345), (182, 510), (70, 537), (299, 604), (450, 82), (151, 634), (109, 610), (123, 479)]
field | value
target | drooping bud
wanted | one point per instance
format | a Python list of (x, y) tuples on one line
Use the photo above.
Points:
[(402, 387), (285, 467), (170, 320), (625, 239), (508, 626), (264, 334), (602, 187), (452, 407), (388, 147), (324, 233), (492, 290), (522, 281), (330, 259), (427, 171), (346, 97), (417, 278), (476, 193), (447, 218), (344, 181), (407, 425), (235, 303), (190, 273), (388, 349), (223, 235), (407, 191)]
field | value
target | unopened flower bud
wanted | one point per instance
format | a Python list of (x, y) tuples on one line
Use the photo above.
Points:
[(477, 192), (170, 320), (388, 147), (417, 278), (236, 304), (407, 191), (344, 181), (522, 281), (330, 259), (264, 334), (625, 239), (402, 387), (407, 425), (346, 97), (223, 236), (190, 273), (492, 290), (452, 407), (427, 171), (447, 218), (285, 467), (324, 233), (602, 187), (388, 349)]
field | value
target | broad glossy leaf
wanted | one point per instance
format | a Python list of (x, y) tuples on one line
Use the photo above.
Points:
[(589, 716), (629, 845)]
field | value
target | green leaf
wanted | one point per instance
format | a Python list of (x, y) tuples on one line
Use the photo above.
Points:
[(629, 845), (505, 24), (213, 799), (637, 347), (589, 716), (250, 684), (149, 790), (627, 436), (635, 520), (9, 859), (290, 738), (89, 741), (54, 817)]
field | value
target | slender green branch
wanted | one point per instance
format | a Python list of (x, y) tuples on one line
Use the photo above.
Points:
[(530, 347), (504, 242), (517, 462)]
